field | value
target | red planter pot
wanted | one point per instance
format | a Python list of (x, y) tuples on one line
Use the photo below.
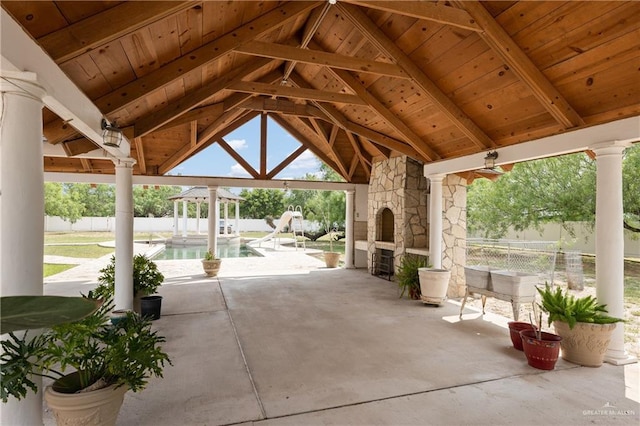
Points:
[(515, 328), (543, 353)]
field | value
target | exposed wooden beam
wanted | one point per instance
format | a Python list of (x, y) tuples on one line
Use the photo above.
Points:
[(429, 11), (263, 146), (283, 106), (318, 129), (383, 140), (280, 167), (157, 119), (500, 41), (234, 154), (194, 60), (310, 145), (142, 164), (425, 152), (294, 92), (86, 165), (364, 157), (378, 150), (317, 57), (213, 110), (353, 166), (379, 39), (113, 23), (220, 124), (333, 135), (314, 21), (193, 133), (58, 131)]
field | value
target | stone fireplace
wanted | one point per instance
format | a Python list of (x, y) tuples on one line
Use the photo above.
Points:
[(397, 209)]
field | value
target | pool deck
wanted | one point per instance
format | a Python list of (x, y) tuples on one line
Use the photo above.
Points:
[(282, 340)]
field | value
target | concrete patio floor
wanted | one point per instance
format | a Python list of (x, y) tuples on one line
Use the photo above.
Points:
[(282, 340)]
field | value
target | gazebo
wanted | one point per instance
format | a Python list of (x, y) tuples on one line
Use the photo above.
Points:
[(199, 195)]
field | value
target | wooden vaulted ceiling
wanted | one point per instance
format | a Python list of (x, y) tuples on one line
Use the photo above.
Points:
[(355, 82)]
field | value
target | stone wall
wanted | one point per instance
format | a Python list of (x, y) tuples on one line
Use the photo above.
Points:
[(399, 185), (454, 231)]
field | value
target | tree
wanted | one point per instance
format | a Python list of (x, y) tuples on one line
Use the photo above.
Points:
[(631, 188), (98, 200), (328, 208), (154, 200), (259, 203), (560, 189), (59, 202)]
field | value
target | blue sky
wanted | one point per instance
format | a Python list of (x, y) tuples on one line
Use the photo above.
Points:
[(214, 161)]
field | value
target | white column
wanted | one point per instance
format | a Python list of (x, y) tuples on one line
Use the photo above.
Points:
[(123, 296), (226, 218), (348, 231), (198, 217), (610, 242), (184, 218), (21, 213), (237, 218), (435, 221), (175, 218), (212, 238)]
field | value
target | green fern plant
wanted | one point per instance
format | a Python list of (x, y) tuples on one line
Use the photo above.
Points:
[(562, 306), (407, 275)]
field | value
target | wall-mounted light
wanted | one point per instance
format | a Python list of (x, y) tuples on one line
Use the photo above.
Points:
[(490, 160), (111, 134)]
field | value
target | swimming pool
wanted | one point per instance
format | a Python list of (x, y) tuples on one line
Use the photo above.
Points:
[(198, 252)]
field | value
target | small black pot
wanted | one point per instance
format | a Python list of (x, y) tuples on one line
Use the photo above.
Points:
[(151, 306)]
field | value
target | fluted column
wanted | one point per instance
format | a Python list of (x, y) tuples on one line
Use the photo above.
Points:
[(610, 242), (349, 244), (435, 221), (21, 212), (123, 296)]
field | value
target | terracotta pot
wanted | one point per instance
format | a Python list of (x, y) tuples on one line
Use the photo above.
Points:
[(331, 259), (211, 267), (586, 343), (99, 407), (515, 328), (542, 353), (434, 284)]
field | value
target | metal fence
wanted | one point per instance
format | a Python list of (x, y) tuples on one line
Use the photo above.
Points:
[(536, 257)]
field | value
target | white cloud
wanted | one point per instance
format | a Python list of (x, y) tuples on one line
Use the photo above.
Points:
[(238, 144), (306, 160), (238, 171)]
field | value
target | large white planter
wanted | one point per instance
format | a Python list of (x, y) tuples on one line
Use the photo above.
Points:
[(99, 407), (512, 283), (434, 284), (331, 259), (586, 343), (478, 277)]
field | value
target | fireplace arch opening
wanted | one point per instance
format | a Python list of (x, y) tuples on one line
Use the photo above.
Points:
[(385, 225)]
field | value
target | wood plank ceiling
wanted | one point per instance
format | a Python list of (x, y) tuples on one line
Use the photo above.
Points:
[(355, 82)]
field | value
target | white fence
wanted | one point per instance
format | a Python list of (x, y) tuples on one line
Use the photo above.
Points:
[(156, 224)]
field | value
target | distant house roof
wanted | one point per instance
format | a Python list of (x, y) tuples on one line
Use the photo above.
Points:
[(201, 193)]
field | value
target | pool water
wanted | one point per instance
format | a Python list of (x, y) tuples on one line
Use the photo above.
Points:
[(198, 252)]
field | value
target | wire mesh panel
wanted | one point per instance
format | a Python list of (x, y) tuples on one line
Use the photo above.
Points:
[(536, 257)]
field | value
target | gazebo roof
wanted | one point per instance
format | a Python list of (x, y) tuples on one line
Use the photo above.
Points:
[(201, 193)]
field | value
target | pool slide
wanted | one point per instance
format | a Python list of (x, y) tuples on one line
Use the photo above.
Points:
[(284, 221)]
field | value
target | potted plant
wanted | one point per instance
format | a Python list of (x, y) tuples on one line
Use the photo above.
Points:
[(434, 284), (407, 276), (106, 361), (211, 264), (331, 258), (582, 323), (540, 348), (146, 281)]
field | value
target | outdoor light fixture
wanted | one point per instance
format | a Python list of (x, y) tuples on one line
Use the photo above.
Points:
[(111, 134), (333, 1), (490, 160)]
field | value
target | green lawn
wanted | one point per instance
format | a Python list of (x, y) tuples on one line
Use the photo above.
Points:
[(90, 251), (52, 269)]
